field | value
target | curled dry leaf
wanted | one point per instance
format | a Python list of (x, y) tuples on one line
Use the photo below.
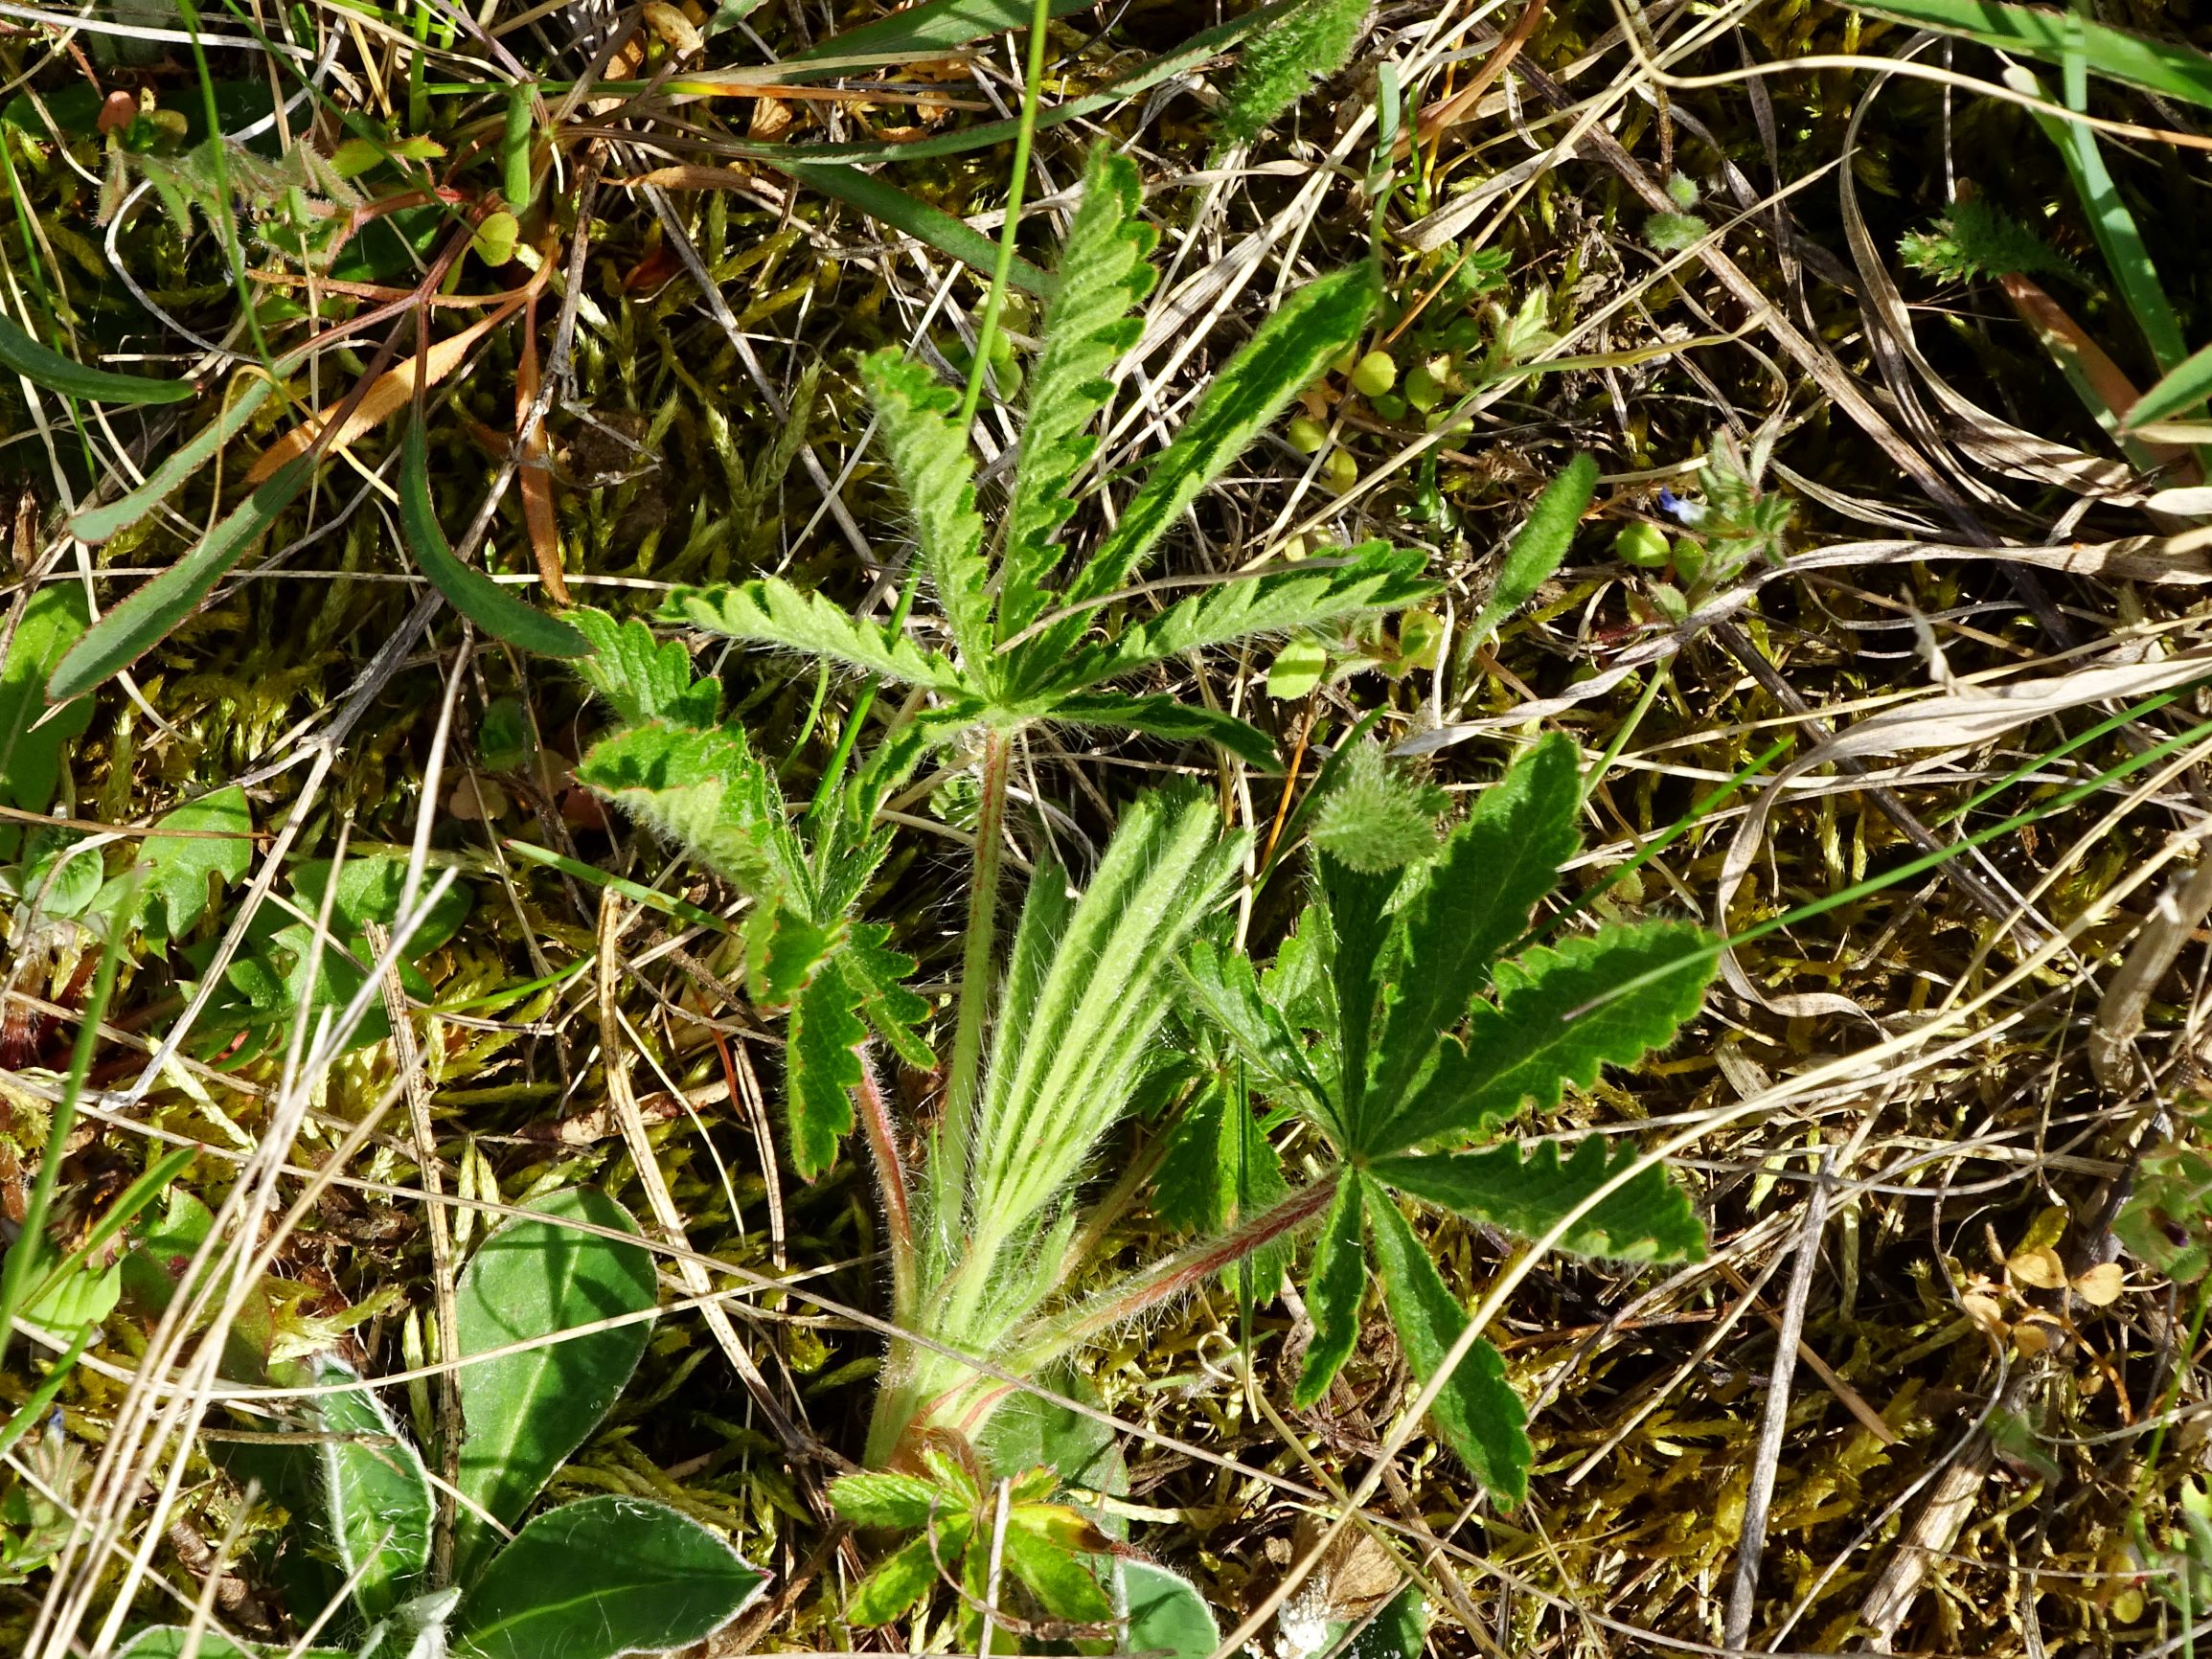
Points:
[(2101, 1285)]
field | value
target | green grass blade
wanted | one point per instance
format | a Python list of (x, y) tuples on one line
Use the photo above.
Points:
[(2110, 222), (2185, 385), (144, 619), (930, 225), (96, 524), (42, 365), (929, 30), (467, 590), (2175, 71)]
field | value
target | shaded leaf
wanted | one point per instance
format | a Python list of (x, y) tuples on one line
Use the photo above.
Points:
[(1162, 716), (173, 872), (905, 1577), (1221, 1169), (1480, 1414), (1222, 986)]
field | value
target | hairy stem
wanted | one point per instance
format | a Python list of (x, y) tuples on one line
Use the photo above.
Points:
[(1168, 1279), (891, 1182), (976, 960)]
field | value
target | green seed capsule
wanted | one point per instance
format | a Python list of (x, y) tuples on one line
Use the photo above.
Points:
[(1388, 407), (1342, 472), (1423, 388), (1373, 375), (1689, 560), (1307, 435), (1642, 545)]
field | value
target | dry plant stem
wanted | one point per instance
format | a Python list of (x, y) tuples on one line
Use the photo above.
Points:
[(667, 1218), (444, 1310), (1175, 1276), (891, 1183), (975, 956), (1767, 1459), (2180, 908)]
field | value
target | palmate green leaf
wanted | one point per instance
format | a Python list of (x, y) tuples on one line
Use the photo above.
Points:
[(1315, 41), (602, 1578), (1372, 576), (885, 1500), (902, 1579), (1539, 547), (1161, 716), (374, 1492), (1105, 273), (1313, 325), (30, 750), (96, 524), (1561, 1015), (1222, 986), (1334, 1291), (707, 791), (773, 612), (42, 365), (1480, 1414), (642, 678), (821, 1066), (144, 619), (531, 1280), (1474, 900), (928, 450), (1649, 1219), (2175, 71), (467, 590)]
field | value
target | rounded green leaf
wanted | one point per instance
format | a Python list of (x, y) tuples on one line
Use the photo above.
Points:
[(1168, 1619), (602, 1578), (374, 1492), (525, 1411)]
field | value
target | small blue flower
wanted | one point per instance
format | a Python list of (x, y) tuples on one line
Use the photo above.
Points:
[(1686, 513)]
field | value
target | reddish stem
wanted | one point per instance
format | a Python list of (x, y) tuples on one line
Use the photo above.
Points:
[(889, 1180)]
